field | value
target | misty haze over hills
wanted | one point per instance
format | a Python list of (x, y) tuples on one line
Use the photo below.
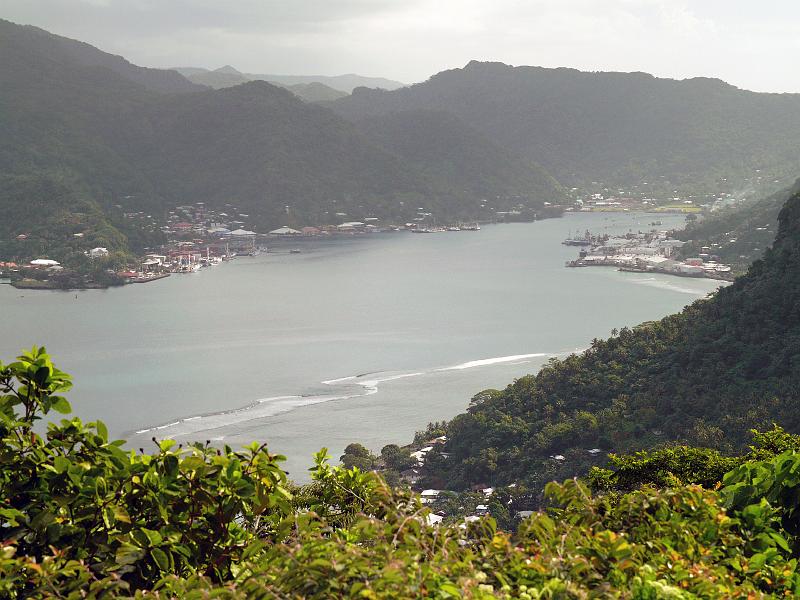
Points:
[(227, 76)]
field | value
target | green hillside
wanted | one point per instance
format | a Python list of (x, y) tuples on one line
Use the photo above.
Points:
[(618, 128), (443, 147), (705, 376)]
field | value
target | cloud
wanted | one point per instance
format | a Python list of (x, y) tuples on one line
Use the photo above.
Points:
[(412, 39)]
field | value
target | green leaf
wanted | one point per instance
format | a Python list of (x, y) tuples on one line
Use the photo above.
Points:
[(61, 464), (120, 514), (100, 487), (60, 405), (102, 430), (161, 559), (128, 554), (152, 536), (450, 590)]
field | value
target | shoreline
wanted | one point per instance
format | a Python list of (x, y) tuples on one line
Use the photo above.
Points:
[(285, 243)]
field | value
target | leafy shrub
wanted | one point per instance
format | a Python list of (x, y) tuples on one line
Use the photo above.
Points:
[(80, 517)]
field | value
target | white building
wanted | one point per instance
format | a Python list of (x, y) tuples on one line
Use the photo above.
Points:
[(244, 233), (282, 231), (44, 263)]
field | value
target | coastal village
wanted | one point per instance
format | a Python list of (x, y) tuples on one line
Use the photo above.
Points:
[(199, 237), (196, 236), (645, 252)]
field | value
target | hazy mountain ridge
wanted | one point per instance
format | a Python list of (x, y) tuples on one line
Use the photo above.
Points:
[(315, 92), (228, 75), (345, 83), (616, 127)]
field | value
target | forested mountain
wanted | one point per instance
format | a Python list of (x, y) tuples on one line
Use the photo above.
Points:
[(85, 118), (16, 41), (707, 375), (618, 128), (440, 145), (737, 235), (260, 146)]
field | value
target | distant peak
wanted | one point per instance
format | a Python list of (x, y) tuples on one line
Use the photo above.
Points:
[(227, 69), (483, 65), (258, 89)]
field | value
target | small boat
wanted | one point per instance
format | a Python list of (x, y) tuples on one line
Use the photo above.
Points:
[(586, 240), (294, 251)]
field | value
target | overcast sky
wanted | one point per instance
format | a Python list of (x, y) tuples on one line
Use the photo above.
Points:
[(754, 45)]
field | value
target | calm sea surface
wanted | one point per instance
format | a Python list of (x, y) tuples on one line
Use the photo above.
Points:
[(363, 339)]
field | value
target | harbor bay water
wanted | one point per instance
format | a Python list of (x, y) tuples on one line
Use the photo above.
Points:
[(359, 339)]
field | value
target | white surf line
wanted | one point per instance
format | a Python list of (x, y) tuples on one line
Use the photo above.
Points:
[(275, 405), (208, 415), (673, 287), (492, 361)]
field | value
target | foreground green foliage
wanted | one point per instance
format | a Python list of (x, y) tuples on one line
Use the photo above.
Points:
[(680, 465), (80, 517)]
